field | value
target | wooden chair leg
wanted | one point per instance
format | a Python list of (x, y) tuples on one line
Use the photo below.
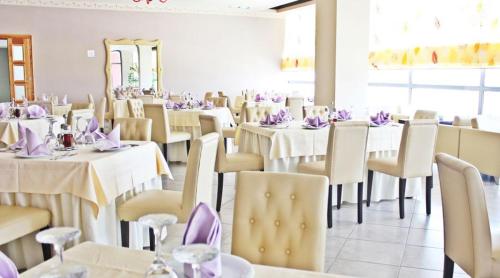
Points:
[(448, 267), (329, 207), (220, 187), (360, 202), (225, 144), (188, 146), (124, 227), (151, 239), (165, 150), (339, 195), (369, 188), (46, 248), (402, 194), (428, 190)]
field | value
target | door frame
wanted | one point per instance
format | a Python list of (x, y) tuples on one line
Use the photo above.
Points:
[(20, 39)]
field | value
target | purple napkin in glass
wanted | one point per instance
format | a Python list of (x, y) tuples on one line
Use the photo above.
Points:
[(169, 104), (269, 120), (34, 145), (21, 134), (259, 98), (197, 103), (204, 227), (35, 111), (179, 106), (316, 122), (93, 130), (277, 99), (110, 140), (64, 100), (381, 118), (283, 116), (7, 267), (344, 115), (166, 95), (4, 110)]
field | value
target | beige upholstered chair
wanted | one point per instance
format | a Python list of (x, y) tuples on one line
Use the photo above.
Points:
[(345, 161), (296, 107), (257, 113), (134, 129), (16, 222), (481, 148), (161, 132), (238, 103), (80, 114), (399, 117), (468, 241), (425, 115), (231, 162), (147, 99), (448, 140), (197, 188), (135, 108), (461, 121), (219, 101), (100, 113), (474, 123), (176, 98), (243, 112), (208, 96), (83, 105), (280, 219), (414, 159), (313, 111)]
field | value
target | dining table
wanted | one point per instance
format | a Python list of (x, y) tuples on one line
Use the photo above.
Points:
[(81, 189), (116, 262), (9, 128), (284, 147)]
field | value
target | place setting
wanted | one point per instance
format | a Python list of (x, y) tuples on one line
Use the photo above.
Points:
[(280, 120)]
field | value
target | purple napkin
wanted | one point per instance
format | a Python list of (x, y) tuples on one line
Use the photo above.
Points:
[(204, 227), (208, 105), (4, 110), (7, 267), (93, 130), (35, 111), (34, 145), (259, 98), (316, 122), (179, 106), (283, 116), (21, 142), (111, 140), (344, 115), (169, 104), (269, 120), (64, 100), (381, 118), (277, 99)]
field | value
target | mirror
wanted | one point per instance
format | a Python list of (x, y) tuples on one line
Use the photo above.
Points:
[(133, 67)]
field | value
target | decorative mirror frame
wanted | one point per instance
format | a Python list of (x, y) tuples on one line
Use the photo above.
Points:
[(108, 43)]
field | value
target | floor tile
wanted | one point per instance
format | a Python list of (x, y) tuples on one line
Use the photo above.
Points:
[(426, 238), (363, 269), (373, 252), (380, 233), (423, 257)]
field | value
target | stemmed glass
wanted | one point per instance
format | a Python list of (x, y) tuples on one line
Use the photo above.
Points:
[(51, 139), (195, 254), (78, 132), (58, 237), (159, 222)]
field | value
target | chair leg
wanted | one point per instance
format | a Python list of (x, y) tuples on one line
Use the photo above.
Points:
[(124, 227), (46, 248), (402, 193), (151, 239), (448, 267), (188, 146), (165, 149), (220, 186), (360, 202), (225, 144), (339, 195), (428, 190), (369, 188), (329, 207)]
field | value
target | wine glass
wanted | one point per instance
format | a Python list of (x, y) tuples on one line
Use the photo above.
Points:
[(195, 254), (159, 222), (58, 237), (51, 139)]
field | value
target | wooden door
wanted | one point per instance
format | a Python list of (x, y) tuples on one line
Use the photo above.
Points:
[(20, 67)]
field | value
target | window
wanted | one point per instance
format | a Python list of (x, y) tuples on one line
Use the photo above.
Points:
[(116, 68)]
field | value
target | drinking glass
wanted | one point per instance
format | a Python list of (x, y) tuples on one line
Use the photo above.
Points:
[(51, 139), (195, 254), (58, 237), (159, 223)]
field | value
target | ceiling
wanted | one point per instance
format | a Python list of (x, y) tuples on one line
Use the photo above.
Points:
[(227, 7)]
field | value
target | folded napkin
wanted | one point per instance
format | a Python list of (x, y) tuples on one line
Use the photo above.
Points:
[(7, 267), (283, 116), (381, 118), (179, 106), (316, 122), (344, 115), (169, 104), (208, 105), (204, 227), (259, 98), (110, 140), (92, 129), (34, 145), (4, 110), (64, 100), (269, 120), (21, 134), (35, 111), (277, 99)]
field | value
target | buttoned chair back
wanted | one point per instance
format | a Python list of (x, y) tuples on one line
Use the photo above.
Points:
[(136, 108), (219, 101), (416, 151), (462, 121), (257, 113), (316, 110), (210, 124), (467, 235), (100, 112), (82, 114), (425, 115), (346, 152), (296, 107), (208, 96), (280, 219), (134, 129), (160, 131)]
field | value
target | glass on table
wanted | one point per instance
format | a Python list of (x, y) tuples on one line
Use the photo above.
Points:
[(51, 139), (58, 237), (195, 255)]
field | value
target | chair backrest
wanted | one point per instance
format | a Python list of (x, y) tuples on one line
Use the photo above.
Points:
[(90, 98), (219, 101), (474, 123), (199, 174), (175, 98), (147, 99), (280, 219), (416, 151), (481, 148), (296, 107), (134, 129), (238, 102), (346, 152), (316, 110), (448, 140), (136, 108), (210, 124), (120, 109), (425, 115), (86, 114), (461, 121), (208, 95), (257, 113), (161, 127), (467, 235), (100, 112), (220, 93)]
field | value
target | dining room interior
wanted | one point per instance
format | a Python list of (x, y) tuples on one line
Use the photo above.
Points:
[(249, 138)]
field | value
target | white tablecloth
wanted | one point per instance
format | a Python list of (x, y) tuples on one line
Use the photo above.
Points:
[(8, 128), (80, 191), (284, 149)]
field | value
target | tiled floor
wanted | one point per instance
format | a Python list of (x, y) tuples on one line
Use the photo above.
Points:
[(383, 246)]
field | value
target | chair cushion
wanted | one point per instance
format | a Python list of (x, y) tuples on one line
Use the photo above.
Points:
[(151, 201), (236, 162), (229, 132), (178, 136), (386, 165), (313, 168), (16, 222)]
